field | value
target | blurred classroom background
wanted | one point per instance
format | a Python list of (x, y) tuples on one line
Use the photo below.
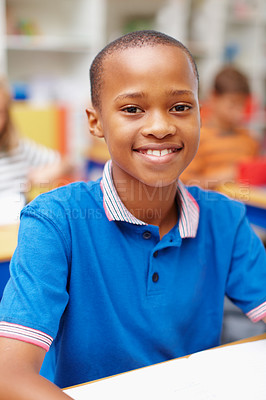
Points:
[(46, 48)]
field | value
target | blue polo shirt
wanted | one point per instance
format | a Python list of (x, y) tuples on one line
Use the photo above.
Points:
[(109, 295)]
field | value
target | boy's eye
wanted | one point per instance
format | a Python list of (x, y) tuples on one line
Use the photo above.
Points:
[(132, 110), (180, 108)]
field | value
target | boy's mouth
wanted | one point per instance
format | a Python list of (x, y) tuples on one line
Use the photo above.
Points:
[(158, 152)]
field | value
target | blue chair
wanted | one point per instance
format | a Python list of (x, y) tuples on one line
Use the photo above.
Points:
[(4, 276)]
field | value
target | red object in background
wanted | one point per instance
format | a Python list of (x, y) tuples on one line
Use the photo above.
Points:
[(253, 171), (252, 108), (61, 122)]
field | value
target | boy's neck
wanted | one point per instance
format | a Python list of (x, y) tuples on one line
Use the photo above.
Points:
[(153, 205)]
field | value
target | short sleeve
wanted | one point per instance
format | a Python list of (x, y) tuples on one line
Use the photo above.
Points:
[(246, 284), (36, 294)]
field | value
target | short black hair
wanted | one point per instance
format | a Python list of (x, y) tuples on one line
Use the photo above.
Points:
[(130, 40)]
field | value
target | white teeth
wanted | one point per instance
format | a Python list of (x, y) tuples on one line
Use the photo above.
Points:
[(159, 153), (164, 152)]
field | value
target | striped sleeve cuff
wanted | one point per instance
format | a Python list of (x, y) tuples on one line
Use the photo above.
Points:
[(257, 313), (25, 334)]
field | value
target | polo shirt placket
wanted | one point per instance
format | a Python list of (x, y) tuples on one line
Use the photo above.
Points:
[(186, 227)]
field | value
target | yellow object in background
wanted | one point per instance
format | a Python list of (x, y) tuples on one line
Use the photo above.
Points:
[(98, 151), (8, 241), (44, 125)]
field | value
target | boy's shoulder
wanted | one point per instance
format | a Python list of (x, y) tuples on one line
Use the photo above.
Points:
[(217, 205), (64, 199)]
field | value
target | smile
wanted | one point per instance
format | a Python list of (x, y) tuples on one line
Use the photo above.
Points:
[(158, 153)]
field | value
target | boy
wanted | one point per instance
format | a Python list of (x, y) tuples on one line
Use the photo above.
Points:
[(224, 142), (132, 269)]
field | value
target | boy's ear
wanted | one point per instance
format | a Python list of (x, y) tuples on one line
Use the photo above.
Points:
[(95, 125)]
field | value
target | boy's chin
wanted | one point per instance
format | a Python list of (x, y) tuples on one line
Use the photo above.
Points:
[(159, 183)]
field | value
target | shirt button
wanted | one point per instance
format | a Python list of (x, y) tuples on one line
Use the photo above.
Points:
[(155, 277), (146, 235), (155, 254)]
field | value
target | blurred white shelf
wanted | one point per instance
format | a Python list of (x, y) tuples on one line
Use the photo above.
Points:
[(198, 48), (52, 38), (68, 33), (47, 43)]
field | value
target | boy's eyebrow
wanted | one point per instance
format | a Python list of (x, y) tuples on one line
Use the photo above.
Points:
[(132, 95), (177, 92)]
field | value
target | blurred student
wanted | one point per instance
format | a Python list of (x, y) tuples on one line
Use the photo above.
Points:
[(225, 141), (23, 163)]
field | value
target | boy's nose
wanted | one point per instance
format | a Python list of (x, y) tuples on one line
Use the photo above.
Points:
[(159, 126)]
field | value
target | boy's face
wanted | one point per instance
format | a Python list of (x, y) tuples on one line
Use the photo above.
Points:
[(149, 114)]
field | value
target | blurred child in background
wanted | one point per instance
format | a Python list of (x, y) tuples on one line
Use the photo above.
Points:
[(225, 141), (23, 163)]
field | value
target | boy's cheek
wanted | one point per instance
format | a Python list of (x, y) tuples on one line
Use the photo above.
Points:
[(200, 117), (193, 143)]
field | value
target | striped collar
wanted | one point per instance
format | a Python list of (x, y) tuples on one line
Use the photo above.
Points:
[(116, 211)]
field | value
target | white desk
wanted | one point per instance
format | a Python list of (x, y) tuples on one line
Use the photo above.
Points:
[(235, 371)]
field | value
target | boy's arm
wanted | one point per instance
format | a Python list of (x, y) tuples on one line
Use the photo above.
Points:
[(264, 319), (19, 373)]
